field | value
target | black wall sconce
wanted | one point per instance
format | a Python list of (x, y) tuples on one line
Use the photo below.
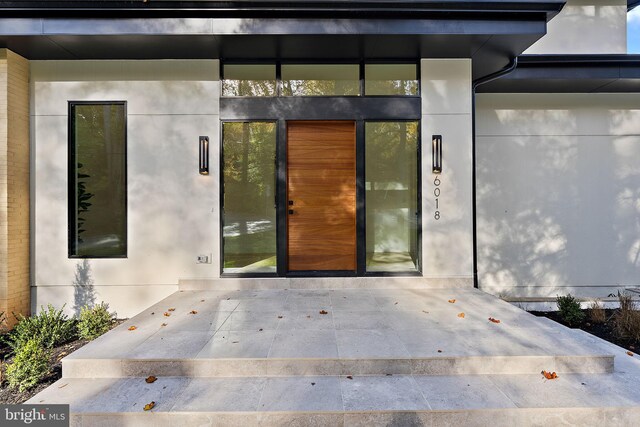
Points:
[(436, 153), (204, 155)]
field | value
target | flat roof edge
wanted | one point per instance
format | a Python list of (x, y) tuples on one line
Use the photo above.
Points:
[(598, 73)]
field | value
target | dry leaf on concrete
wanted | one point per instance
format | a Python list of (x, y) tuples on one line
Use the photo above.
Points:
[(549, 375), (491, 319), (167, 314), (172, 309), (149, 406), (452, 301), (461, 315), (132, 328), (324, 312), (193, 312), (150, 379), (629, 353)]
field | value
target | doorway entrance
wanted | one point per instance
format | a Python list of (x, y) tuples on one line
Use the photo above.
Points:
[(321, 196)]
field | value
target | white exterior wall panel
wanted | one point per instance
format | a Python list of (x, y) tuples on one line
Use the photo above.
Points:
[(586, 27), (447, 243), (173, 212), (558, 193)]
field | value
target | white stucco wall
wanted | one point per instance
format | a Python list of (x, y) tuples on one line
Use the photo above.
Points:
[(447, 243), (172, 210), (558, 193), (586, 26)]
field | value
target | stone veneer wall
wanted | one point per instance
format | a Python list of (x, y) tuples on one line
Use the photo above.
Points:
[(14, 185)]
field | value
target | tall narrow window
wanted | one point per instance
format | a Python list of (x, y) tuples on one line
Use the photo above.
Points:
[(391, 196), (249, 212), (97, 180)]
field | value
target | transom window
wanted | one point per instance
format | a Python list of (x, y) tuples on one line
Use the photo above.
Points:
[(315, 79)]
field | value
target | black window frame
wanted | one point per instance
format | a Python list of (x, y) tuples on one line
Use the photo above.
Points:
[(72, 183)]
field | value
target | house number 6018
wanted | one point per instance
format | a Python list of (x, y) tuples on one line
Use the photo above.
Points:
[(436, 192)]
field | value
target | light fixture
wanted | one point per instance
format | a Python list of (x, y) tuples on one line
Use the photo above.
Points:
[(436, 153), (204, 155)]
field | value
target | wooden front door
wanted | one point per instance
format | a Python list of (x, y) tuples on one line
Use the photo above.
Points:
[(321, 188)]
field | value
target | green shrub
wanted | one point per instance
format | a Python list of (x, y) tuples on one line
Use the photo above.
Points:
[(51, 327), (95, 321), (570, 310), (626, 319), (29, 366)]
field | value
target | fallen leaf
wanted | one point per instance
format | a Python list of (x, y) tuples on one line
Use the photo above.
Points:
[(153, 312), (132, 328), (193, 312), (461, 315), (439, 351), (172, 309), (313, 383), (324, 312), (167, 314), (150, 379), (349, 377), (629, 353), (491, 319), (149, 406), (549, 375), (64, 385), (260, 330), (452, 301), (279, 317), (164, 324)]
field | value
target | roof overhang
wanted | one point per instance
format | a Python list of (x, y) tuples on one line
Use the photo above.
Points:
[(631, 4), (570, 74), (490, 32), (272, 8)]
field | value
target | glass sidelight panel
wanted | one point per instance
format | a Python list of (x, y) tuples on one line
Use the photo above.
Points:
[(391, 196), (320, 79), (249, 185)]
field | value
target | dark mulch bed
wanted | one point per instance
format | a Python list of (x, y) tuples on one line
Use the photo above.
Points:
[(8, 395), (601, 330)]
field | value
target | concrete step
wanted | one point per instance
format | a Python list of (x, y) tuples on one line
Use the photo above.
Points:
[(571, 399), (355, 357), (272, 283), (363, 332), (274, 367)]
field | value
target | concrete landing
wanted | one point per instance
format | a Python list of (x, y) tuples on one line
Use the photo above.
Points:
[(345, 357)]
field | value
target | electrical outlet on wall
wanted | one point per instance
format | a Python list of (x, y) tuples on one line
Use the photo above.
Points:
[(204, 259)]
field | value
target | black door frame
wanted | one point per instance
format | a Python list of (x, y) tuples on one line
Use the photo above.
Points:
[(359, 109)]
